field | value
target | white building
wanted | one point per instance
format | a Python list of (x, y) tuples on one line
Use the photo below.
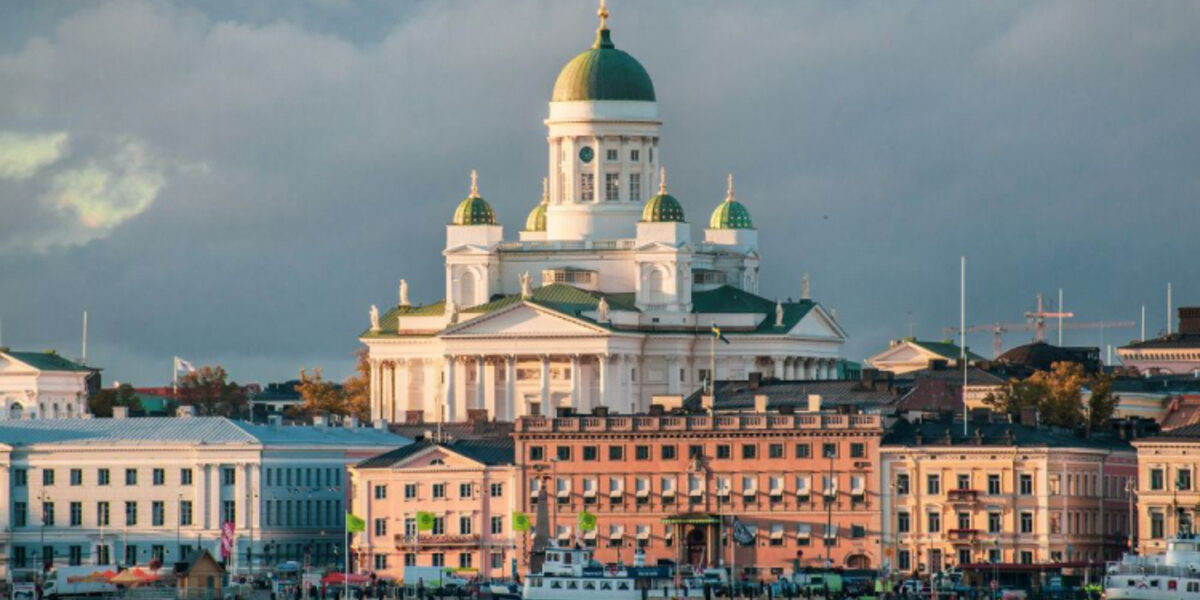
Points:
[(121, 490), (42, 385), (605, 299)]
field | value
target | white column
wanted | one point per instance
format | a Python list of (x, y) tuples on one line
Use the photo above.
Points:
[(547, 411), (450, 395), (375, 381), (624, 387), (575, 398), (403, 398), (623, 157), (491, 395), (602, 379), (777, 362), (430, 380), (510, 388), (598, 169), (479, 383)]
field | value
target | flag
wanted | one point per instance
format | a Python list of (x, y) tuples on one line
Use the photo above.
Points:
[(520, 521), (717, 333), (355, 524), (183, 365), (741, 533), (587, 521), (227, 539), (425, 521)]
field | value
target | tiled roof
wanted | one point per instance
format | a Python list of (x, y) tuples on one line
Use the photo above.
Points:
[(932, 395), (1175, 340), (491, 452), (46, 361), (935, 433), (389, 320), (975, 376), (733, 395), (208, 430)]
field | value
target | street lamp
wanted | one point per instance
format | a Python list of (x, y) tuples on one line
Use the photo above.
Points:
[(178, 526), (44, 497), (1131, 491)]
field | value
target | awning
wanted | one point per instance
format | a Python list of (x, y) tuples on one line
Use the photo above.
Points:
[(589, 535), (693, 519), (803, 531), (643, 534), (777, 532), (339, 578), (589, 494)]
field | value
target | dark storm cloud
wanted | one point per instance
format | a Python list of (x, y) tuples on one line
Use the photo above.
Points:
[(310, 153)]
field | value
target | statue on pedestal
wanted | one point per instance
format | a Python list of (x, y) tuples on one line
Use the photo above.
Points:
[(374, 313)]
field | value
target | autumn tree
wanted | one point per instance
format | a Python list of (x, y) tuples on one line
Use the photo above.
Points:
[(1057, 395), (358, 387), (102, 402), (207, 390), (349, 399)]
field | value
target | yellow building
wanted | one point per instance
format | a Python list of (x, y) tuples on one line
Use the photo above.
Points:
[(1002, 493), (1167, 500)]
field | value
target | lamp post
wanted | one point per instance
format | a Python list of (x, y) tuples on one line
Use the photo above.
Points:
[(830, 498), (178, 526), (44, 497), (895, 532), (1131, 491)]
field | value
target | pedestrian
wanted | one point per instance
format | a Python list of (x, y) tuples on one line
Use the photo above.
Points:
[(421, 589)]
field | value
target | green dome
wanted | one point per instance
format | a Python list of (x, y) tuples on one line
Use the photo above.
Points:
[(603, 73), (474, 210), (663, 208), (536, 221), (730, 214)]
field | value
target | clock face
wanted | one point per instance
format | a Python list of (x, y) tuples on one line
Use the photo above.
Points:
[(586, 153)]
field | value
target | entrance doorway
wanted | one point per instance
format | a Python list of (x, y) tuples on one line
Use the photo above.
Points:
[(697, 545)]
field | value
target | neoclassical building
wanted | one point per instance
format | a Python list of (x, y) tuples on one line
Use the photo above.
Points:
[(44, 385), (605, 299)]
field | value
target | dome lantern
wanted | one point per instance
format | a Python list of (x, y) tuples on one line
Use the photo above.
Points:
[(662, 208), (474, 210)]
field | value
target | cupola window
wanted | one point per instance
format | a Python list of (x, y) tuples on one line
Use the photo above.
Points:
[(587, 187), (612, 186), (635, 185)]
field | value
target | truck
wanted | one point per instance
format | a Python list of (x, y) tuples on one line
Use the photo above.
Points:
[(66, 582), (432, 578)]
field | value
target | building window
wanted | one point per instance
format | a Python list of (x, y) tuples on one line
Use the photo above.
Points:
[(410, 491), (497, 525), (858, 450), (131, 513), (157, 513), (993, 485), (612, 186), (19, 558), (102, 477), (380, 562), (20, 478), (964, 520), (438, 559), (131, 555), (933, 485), (228, 511), (1026, 557), (902, 484), (775, 451), (668, 452), (902, 522), (48, 514), (229, 476), (563, 453), (75, 556), (20, 511), (76, 477), (612, 155), (380, 492), (723, 451), (185, 477), (47, 477), (466, 490), (1183, 480), (410, 559), (993, 522), (1156, 525), (935, 522), (130, 476), (964, 481), (464, 560), (641, 452), (591, 453), (587, 187), (465, 525), (537, 453), (102, 514), (76, 514), (185, 512), (829, 450), (695, 451), (616, 453), (439, 526), (1026, 522), (1026, 483), (380, 527), (635, 186), (749, 451), (160, 477), (439, 490), (904, 560), (1156, 479), (803, 451)]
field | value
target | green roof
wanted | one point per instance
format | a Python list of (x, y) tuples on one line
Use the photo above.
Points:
[(663, 208), (390, 320), (728, 299), (48, 361), (730, 214), (536, 221), (603, 73), (474, 211), (563, 298), (945, 349)]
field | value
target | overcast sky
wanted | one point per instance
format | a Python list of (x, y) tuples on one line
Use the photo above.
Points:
[(237, 184)]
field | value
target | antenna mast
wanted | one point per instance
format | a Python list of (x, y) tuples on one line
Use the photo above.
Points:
[(83, 360)]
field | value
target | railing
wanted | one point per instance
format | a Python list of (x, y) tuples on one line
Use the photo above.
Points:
[(404, 541), (542, 246), (962, 535), (962, 496), (538, 424)]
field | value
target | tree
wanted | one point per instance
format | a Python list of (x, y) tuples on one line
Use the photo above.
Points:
[(207, 390), (1058, 397), (358, 387), (349, 399), (102, 402)]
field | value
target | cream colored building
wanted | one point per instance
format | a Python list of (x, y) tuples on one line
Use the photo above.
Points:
[(911, 354), (1168, 502), (125, 491), (42, 385), (1004, 493), (605, 298)]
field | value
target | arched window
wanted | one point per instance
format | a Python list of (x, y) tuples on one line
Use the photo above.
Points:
[(466, 288), (658, 286), (15, 411)]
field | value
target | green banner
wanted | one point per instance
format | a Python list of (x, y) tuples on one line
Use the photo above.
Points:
[(425, 521), (587, 521), (520, 522), (355, 524)]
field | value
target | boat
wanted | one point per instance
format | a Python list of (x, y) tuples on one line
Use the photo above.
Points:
[(572, 574), (1173, 575)]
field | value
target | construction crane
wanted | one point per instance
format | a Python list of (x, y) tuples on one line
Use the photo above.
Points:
[(1037, 324)]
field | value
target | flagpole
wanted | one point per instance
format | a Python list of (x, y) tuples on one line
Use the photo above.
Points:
[(175, 378)]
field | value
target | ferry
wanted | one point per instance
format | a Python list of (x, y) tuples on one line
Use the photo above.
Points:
[(572, 574), (1173, 575)]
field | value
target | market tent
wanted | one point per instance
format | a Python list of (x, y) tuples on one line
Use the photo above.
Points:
[(134, 576)]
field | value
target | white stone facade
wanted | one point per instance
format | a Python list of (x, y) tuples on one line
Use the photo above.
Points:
[(36, 385)]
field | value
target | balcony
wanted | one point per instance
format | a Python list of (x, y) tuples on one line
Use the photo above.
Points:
[(962, 496), (436, 541), (962, 535)]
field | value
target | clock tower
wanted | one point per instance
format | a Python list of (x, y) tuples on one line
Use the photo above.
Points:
[(603, 143)]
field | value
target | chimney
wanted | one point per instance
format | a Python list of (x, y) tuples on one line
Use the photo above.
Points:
[(814, 403), (706, 402), (1189, 319), (185, 410), (760, 403), (275, 421), (599, 411), (755, 380), (120, 412), (787, 409), (319, 421), (563, 412)]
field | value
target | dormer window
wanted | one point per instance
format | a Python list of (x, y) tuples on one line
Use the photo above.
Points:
[(708, 277), (570, 276)]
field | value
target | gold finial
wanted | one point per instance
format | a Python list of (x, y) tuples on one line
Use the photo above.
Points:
[(729, 192), (545, 190), (662, 180), (603, 14), (474, 183)]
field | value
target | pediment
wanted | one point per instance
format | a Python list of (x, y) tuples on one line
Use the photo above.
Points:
[(436, 457), (12, 366), (469, 250), (904, 353), (664, 247), (817, 324), (525, 320)]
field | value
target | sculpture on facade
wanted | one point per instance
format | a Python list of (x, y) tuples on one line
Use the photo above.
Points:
[(526, 285), (404, 293), (374, 318), (804, 291), (602, 311), (778, 314)]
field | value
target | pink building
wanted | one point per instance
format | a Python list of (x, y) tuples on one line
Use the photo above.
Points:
[(469, 485)]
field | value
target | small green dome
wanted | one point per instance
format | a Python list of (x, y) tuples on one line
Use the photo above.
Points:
[(474, 210), (730, 214), (536, 221), (603, 73), (663, 208)]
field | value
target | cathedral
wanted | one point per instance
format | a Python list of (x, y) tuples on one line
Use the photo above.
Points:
[(604, 299)]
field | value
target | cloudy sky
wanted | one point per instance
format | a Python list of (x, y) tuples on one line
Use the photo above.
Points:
[(236, 182)]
